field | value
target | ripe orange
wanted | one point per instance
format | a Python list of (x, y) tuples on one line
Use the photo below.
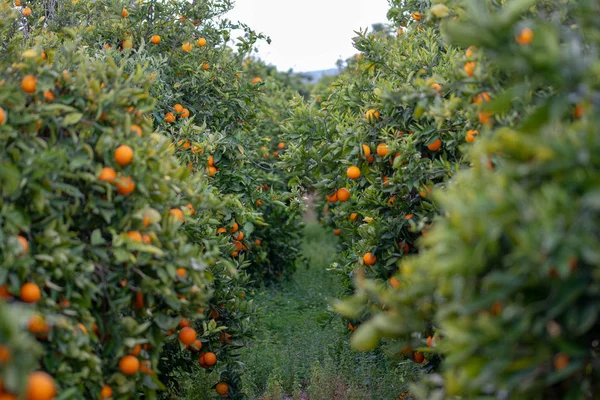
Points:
[(5, 355), (470, 67), (181, 272), (128, 44), (430, 341), (211, 171), (470, 136), (187, 47), (187, 335), (123, 155), (136, 129), (184, 114), (106, 392), (124, 13), (107, 175), (198, 345), (256, 80), (37, 324), (259, 203), (221, 230), (337, 232), (560, 361), (369, 258), (125, 185), (481, 97), (525, 37), (370, 159), (48, 95), (485, 117), (129, 365), (210, 359), (257, 242), (170, 117), (238, 236), (29, 83), (177, 213), (353, 216), (27, 11), (234, 227), (135, 236), (205, 66), (17, 3), (281, 146), (222, 389), (470, 51), (353, 172), (343, 194), (146, 239), (332, 198), (394, 282), (201, 42), (24, 244), (372, 115), (2, 116), (382, 149), (366, 150), (7, 396), (136, 350), (436, 86), (417, 16), (40, 386), (435, 145), (418, 357), (578, 111), (155, 39), (30, 293)]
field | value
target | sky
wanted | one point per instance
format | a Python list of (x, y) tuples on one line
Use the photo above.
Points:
[(308, 35)]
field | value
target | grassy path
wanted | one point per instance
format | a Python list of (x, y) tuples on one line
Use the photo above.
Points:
[(301, 350)]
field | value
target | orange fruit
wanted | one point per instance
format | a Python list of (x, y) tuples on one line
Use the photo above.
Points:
[(470, 51), (404, 246), (470, 68), (27, 11), (17, 3), (211, 161), (259, 202), (382, 149), (578, 111), (5, 293), (123, 155), (470, 136), (337, 232), (7, 396), (187, 335), (225, 337), (198, 345), (184, 114), (257, 242), (353, 172), (205, 66), (146, 239), (107, 175), (201, 42), (369, 258), (221, 230), (560, 361), (125, 185), (417, 16), (37, 324), (386, 181), (353, 216), (418, 357), (177, 213), (525, 37), (40, 386), (372, 115), (481, 98), (366, 150), (5, 354), (124, 13), (190, 207), (24, 244), (211, 171), (435, 145), (430, 341), (106, 392), (136, 129), (81, 327), (29, 83), (210, 359), (187, 47), (155, 39), (394, 282), (136, 350), (222, 389), (332, 198), (239, 236), (256, 80), (184, 323), (181, 272), (129, 365), (234, 227), (2, 116), (436, 86), (485, 117), (135, 236), (170, 117), (370, 159), (343, 194), (281, 146), (48, 95), (30, 293), (128, 44)]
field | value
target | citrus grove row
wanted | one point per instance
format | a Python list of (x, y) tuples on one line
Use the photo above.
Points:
[(140, 199), (151, 177)]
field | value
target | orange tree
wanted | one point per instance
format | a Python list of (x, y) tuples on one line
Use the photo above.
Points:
[(393, 128), (508, 274)]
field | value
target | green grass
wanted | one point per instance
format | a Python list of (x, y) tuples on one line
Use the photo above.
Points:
[(302, 351)]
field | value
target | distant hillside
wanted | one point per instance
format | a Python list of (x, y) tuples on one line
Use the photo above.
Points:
[(314, 76)]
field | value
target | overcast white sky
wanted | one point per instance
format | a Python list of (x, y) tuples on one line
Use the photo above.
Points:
[(308, 35)]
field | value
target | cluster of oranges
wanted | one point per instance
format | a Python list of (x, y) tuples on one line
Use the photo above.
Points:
[(178, 112)]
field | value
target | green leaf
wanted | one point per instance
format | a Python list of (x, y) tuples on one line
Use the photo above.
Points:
[(72, 119)]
